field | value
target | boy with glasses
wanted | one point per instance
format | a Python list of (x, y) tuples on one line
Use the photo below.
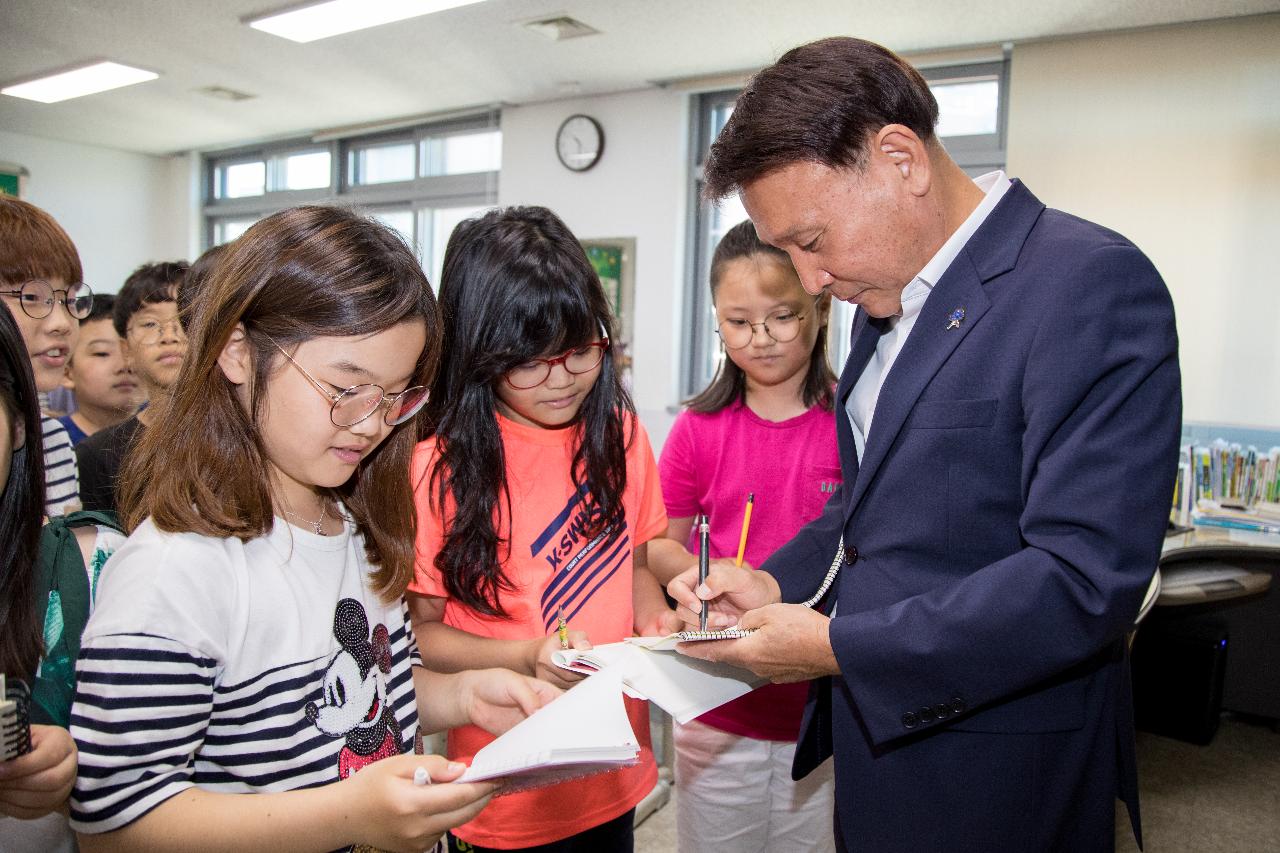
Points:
[(41, 285), (146, 318)]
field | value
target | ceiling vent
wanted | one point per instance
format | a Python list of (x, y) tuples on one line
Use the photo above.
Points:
[(560, 28), (222, 93)]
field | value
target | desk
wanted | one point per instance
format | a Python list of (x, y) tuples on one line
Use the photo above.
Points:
[(1252, 681)]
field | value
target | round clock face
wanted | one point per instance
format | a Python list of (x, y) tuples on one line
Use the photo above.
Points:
[(579, 142)]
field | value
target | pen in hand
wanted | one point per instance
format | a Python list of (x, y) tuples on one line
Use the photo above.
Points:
[(704, 563)]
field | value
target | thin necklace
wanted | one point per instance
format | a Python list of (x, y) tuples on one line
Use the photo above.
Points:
[(316, 526)]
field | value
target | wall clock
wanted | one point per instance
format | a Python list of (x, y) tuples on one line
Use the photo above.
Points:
[(579, 142)]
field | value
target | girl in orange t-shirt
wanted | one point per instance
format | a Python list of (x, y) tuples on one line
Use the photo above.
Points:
[(537, 492)]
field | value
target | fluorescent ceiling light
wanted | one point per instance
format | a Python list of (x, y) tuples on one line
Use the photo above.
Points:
[(87, 80), (321, 20)]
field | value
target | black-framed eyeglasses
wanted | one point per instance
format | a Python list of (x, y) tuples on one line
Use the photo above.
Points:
[(353, 405), (37, 297), (535, 371), (782, 325)]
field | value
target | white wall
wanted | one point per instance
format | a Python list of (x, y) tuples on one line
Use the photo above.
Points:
[(638, 189), (121, 209), (1172, 137)]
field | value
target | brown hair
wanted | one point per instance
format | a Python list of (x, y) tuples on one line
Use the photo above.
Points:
[(33, 245), (819, 103), (298, 274), (729, 385)]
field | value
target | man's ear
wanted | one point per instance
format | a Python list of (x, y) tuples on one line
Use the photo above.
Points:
[(236, 358), (907, 154)]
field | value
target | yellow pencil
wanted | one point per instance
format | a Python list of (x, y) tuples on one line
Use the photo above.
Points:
[(746, 525), (562, 628)]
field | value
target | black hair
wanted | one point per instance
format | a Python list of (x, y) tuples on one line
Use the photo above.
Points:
[(821, 103), (103, 305), (729, 385), (21, 510), (149, 284), (516, 285)]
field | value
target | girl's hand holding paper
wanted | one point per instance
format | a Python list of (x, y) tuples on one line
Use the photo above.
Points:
[(385, 808), (543, 667), (497, 699)]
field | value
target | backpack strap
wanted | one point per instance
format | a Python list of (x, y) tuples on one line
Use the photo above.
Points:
[(64, 583)]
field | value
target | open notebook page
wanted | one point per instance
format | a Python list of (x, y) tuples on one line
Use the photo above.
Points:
[(585, 730), (682, 686)]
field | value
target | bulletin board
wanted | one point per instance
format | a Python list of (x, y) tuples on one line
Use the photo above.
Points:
[(13, 179), (614, 261)]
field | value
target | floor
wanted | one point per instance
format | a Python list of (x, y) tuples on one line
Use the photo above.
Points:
[(1221, 798)]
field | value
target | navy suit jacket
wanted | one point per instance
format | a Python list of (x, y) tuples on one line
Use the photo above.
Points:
[(1006, 519)]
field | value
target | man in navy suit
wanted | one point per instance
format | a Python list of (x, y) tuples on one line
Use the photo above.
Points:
[(1009, 427)]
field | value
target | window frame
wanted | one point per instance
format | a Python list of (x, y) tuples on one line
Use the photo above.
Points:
[(418, 194)]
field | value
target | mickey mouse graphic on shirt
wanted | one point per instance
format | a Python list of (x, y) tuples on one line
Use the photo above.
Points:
[(354, 704)]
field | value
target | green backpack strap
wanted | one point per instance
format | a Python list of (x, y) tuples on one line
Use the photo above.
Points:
[(64, 596)]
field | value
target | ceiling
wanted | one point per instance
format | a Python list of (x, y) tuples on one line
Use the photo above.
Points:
[(470, 56)]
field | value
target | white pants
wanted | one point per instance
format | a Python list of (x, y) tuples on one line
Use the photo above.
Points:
[(734, 794)]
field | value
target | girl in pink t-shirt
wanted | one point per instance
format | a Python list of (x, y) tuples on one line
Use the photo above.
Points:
[(764, 427), (537, 492)]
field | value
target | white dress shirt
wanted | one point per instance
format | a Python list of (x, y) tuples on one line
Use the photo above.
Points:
[(861, 403)]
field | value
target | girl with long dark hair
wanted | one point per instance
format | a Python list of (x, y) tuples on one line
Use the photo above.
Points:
[(537, 492)]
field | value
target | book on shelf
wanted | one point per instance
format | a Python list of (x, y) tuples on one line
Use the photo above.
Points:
[(1227, 485), (1232, 474), (1262, 517)]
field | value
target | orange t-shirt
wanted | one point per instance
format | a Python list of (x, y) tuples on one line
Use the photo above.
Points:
[(551, 562)]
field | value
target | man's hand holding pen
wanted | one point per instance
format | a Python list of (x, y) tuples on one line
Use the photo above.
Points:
[(729, 592), (790, 642)]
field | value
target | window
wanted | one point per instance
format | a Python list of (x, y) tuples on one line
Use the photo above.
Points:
[(226, 230), (307, 170), (381, 164), (421, 181), (239, 180), (972, 106)]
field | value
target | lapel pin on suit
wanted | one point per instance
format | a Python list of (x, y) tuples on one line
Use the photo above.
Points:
[(956, 318)]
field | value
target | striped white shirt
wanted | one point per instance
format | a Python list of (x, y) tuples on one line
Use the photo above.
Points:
[(235, 667), (61, 476)]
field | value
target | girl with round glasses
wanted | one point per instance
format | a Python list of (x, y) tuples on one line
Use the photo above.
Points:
[(537, 493), (765, 427), (249, 677)]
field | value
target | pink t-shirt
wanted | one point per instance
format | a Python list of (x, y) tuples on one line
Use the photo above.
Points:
[(710, 463)]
